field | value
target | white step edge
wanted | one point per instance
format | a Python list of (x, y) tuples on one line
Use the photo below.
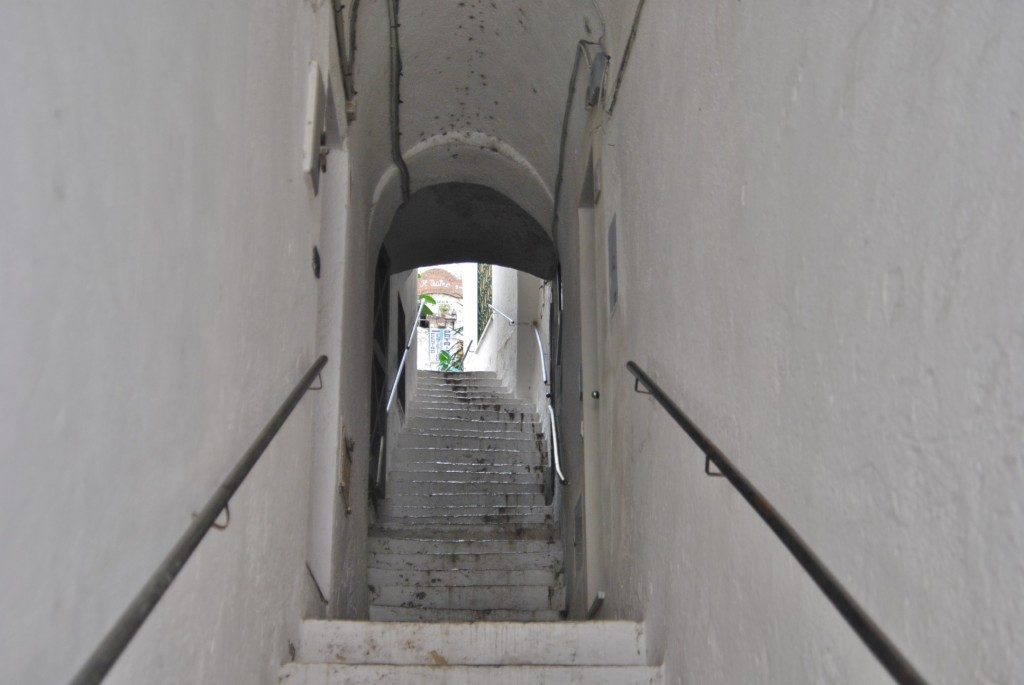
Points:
[(324, 674), (594, 643)]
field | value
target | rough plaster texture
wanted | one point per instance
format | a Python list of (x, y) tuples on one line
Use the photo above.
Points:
[(465, 82), (818, 211), (157, 304)]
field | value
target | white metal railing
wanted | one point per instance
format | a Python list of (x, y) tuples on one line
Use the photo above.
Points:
[(543, 366), (509, 318), (551, 410), (405, 355)]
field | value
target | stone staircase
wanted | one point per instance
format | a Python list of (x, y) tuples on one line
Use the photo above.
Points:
[(465, 563), (464, 534)]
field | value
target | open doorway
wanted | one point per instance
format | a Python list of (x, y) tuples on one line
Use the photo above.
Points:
[(477, 317)]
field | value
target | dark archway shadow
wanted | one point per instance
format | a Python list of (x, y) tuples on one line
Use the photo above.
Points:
[(466, 222)]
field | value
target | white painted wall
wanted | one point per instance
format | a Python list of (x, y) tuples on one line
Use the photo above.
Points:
[(157, 304), (496, 349), (329, 429), (819, 218)]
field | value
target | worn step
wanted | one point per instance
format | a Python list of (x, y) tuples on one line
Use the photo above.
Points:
[(443, 467), (379, 577), (462, 392), (338, 674), (514, 441), (544, 532), (465, 378), (513, 420), (419, 514), (437, 615), (430, 543), (498, 561), (467, 489), (445, 500), (472, 597), (426, 373), (453, 425), (477, 644), (472, 429), (491, 478), (470, 519), (497, 455), (421, 404)]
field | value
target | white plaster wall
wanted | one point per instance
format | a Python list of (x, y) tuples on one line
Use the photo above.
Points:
[(820, 259), (531, 308), (329, 431), (496, 350), (157, 304)]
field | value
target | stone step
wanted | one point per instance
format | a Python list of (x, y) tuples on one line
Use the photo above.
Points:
[(456, 375), (490, 480), (430, 543), (476, 644), (443, 467), (443, 501), (512, 416), (472, 597), (415, 513), (498, 561), (473, 430), (469, 519), (457, 400), (546, 532), (448, 390), (438, 615), (454, 425), (424, 488), (421, 455), (338, 674), (512, 441), (378, 577), (454, 382)]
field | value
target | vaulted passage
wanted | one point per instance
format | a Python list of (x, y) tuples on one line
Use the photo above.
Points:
[(800, 223), (466, 222)]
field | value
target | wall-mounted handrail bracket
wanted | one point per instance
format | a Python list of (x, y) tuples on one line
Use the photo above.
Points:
[(637, 389), (511, 321), (707, 462), (227, 518), (320, 378)]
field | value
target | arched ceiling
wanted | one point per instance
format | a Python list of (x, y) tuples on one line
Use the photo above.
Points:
[(483, 92), (460, 222)]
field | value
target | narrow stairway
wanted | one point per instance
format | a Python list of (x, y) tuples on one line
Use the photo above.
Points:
[(465, 562), (464, 534)]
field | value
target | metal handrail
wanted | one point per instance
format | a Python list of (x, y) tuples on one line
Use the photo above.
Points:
[(540, 345), (405, 354), (117, 638), (551, 410), (510, 319), (867, 630), (554, 445)]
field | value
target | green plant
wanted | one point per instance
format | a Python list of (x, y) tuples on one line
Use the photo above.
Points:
[(424, 301), (449, 361), (452, 358)]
